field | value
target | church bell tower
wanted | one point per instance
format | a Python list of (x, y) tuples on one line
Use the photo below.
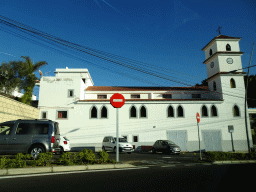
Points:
[(224, 68)]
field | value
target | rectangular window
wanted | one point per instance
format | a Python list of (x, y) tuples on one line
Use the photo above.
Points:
[(101, 96), (135, 138), (167, 96), (135, 96), (195, 96), (70, 92), (44, 115), (62, 114)]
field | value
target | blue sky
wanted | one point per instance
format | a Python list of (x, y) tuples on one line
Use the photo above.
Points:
[(164, 33)]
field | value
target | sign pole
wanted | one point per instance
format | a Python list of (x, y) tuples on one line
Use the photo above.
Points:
[(117, 101), (117, 138), (198, 120), (199, 142)]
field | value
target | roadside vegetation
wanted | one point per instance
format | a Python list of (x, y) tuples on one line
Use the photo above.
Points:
[(84, 157), (223, 156)]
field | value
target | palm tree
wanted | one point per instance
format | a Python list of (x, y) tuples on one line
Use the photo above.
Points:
[(26, 71)]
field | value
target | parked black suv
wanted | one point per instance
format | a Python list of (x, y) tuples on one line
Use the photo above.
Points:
[(29, 136)]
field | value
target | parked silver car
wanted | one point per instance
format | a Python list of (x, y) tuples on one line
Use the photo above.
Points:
[(29, 136), (109, 144)]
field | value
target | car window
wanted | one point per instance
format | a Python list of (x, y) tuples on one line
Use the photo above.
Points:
[(106, 139), (41, 128), (5, 128), (123, 140), (66, 138), (171, 142), (24, 128)]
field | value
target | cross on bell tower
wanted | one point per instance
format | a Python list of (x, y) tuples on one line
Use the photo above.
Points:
[(219, 29)]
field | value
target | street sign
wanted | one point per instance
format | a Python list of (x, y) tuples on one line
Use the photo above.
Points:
[(198, 117), (117, 100), (198, 120)]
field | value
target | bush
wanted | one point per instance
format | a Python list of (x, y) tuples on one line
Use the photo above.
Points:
[(65, 159), (87, 156), (220, 156), (103, 156), (4, 162), (44, 159)]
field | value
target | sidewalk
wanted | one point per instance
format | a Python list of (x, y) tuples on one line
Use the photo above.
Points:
[(54, 169)]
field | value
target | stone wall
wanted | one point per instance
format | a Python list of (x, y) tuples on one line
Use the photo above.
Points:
[(12, 110)]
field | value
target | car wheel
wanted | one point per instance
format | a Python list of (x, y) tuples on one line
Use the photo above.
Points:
[(103, 148), (153, 150), (35, 150), (61, 150), (129, 152), (177, 153)]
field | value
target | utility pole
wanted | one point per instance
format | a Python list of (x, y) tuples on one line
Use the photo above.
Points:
[(245, 102)]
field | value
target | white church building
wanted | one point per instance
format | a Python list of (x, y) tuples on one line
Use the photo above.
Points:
[(85, 114)]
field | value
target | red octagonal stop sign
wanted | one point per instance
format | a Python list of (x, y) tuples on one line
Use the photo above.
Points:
[(117, 100)]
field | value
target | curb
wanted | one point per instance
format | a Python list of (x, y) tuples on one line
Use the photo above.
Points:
[(54, 169), (234, 162)]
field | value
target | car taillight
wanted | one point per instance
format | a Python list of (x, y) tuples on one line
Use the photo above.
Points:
[(65, 142), (53, 139)]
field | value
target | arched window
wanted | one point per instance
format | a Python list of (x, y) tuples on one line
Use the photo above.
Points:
[(94, 112), (214, 86), (204, 111), (210, 52), (180, 112), (214, 111), (228, 48), (170, 111), (104, 112), (236, 112), (143, 112), (232, 83), (133, 112)]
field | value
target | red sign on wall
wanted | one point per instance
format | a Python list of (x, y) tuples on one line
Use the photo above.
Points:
[(198, 117), (117, 100)]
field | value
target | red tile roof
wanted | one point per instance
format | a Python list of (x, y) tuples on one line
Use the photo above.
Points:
[(220, 37), (117, 88)]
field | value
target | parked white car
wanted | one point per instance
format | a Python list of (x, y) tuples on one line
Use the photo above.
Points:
[(109, 144), (64, 144)]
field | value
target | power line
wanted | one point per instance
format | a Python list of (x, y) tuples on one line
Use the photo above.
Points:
[(93, 52)]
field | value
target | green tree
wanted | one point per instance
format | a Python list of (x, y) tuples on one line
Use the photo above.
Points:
[(9, 81), (26, 74), (203, 83), (23, 74)]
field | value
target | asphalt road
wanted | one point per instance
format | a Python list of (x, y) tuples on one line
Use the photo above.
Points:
[(157, 178), (149, 157)]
